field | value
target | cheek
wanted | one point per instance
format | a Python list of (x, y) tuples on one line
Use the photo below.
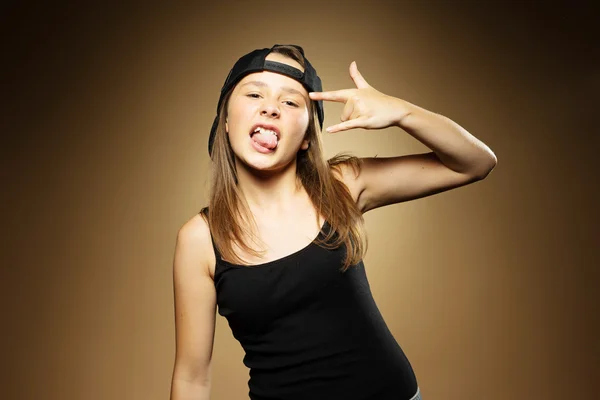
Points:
[(302, 123), (236, 114)]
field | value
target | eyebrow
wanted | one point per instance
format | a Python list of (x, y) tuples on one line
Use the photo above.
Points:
[(284, 88)]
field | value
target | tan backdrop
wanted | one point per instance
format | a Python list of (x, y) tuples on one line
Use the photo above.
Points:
[(491, 289)]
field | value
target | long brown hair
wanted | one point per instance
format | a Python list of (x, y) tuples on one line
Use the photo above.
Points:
[(230, 218)]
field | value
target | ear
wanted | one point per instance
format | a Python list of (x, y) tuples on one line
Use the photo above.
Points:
[(305, 145), (226, 126)]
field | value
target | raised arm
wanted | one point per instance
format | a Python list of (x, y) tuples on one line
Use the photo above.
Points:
[(457, 157), (195, 311)]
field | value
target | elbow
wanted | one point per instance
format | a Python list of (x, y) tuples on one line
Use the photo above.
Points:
[(192, 374), (486, 167)]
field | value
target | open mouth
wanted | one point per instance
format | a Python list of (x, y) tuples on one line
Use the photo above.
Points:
[(266, 138)]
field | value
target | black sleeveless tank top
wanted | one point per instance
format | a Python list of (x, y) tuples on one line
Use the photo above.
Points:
[(311, 331)]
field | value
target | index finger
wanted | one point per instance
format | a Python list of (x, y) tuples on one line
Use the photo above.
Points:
[(334, 95)]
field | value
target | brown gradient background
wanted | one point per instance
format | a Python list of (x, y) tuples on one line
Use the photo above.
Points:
[(491, 289)]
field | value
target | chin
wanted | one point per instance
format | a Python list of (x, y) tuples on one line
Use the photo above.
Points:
[(262, 163)]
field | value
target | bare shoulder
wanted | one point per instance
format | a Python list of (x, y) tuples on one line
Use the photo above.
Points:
[(194, 247), (196, 228), (347, 170)]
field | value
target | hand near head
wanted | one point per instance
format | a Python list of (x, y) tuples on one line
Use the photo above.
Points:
[(365, 107)]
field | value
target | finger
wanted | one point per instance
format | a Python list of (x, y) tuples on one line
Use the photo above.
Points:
[(350, 124), (356, 114), (335, 95), (347, 111), (359, 80)]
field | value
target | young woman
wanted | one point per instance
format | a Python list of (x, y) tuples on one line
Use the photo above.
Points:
[(279, 248)]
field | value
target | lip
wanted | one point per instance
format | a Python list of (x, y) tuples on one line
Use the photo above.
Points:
[(266, 126), (259, 148)]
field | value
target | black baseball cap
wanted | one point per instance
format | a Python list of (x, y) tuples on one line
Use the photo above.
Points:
[(255, 62)]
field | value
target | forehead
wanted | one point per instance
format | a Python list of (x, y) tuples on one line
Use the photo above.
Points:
[(273, 79)]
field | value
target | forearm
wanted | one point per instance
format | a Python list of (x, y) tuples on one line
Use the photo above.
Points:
[(182, 389), (454, 146)]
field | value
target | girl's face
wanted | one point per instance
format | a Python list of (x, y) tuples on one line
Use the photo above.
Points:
[(264, 103)]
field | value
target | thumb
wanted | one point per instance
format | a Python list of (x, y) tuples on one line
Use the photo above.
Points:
[(357, 77)]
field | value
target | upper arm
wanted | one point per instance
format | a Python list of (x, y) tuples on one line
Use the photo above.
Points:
[(195, 302), (385, 181)]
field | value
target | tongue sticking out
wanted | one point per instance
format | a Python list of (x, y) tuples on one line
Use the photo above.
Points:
[(265, 140)]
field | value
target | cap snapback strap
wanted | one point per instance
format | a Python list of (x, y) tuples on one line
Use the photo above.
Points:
[(284, 69)]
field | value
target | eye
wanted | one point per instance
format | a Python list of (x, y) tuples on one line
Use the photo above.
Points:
[(253, 95), (290, 103)]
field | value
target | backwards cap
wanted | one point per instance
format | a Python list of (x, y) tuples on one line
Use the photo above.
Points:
[(255, 62)]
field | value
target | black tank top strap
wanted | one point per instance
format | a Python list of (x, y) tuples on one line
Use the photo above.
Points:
[(217, 253)]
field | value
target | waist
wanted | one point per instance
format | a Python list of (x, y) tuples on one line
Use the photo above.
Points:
[(350, 376)]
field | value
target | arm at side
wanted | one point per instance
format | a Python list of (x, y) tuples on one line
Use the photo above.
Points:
[(195, 312)]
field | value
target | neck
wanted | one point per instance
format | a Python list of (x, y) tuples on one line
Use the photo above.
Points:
[(270, 192)]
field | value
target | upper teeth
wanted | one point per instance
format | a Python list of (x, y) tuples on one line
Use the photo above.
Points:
[(263, 131)]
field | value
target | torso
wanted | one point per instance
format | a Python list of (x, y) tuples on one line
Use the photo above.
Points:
[(300, 226)]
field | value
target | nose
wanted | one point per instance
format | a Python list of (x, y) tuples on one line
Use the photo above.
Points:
[(269, 109)]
